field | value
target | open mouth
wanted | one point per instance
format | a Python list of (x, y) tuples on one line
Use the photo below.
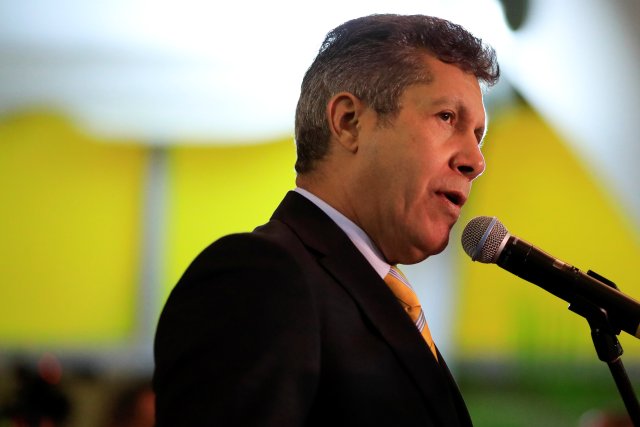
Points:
[(455, 198)]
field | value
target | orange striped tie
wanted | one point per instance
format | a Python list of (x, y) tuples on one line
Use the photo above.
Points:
[(408, 299)]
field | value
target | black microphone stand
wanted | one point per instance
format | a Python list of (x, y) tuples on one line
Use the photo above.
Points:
[(604, 335)]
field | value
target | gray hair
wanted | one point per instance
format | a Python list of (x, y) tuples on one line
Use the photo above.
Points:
[(376, 58)]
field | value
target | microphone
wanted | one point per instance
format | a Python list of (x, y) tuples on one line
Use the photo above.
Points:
[(486, 240)]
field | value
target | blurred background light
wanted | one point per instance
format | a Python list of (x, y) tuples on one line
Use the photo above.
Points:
[(577, 62), (159, 71)]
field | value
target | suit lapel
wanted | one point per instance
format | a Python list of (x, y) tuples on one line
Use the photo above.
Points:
[(463, 413), (342, 260)]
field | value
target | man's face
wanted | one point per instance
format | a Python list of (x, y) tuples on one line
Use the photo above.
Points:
[(415, 173)]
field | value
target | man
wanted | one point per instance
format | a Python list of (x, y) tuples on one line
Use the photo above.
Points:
[(294, 324)]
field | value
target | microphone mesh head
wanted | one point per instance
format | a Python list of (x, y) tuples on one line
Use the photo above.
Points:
[(482, 238)]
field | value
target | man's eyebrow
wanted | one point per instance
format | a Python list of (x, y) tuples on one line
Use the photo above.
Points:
[(446, 100)]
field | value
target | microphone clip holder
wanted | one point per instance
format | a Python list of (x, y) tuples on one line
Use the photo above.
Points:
[(604, 335)]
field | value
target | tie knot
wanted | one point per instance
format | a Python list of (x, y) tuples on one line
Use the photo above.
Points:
[(400, 287), (395, 273)]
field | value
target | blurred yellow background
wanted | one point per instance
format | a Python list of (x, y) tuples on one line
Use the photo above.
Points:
[(72, 221)]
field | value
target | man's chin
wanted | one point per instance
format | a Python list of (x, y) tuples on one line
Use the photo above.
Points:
[(422, 252), (439, 248)]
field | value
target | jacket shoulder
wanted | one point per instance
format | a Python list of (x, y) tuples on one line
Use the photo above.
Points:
[(270, 247)]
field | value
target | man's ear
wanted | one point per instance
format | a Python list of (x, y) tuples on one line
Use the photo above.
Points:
[(343, 111)]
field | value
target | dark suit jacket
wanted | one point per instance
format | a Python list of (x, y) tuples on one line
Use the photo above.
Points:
[(290, 326)]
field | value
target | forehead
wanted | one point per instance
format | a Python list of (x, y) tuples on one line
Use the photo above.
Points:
[(447, 84)]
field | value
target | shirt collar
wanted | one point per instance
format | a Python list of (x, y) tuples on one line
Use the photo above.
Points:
[(357, 235)]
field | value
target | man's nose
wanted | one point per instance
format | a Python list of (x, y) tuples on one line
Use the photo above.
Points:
[(469, 161)]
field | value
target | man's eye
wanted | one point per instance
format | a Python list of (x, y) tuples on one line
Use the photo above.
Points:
[(447, 117)]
